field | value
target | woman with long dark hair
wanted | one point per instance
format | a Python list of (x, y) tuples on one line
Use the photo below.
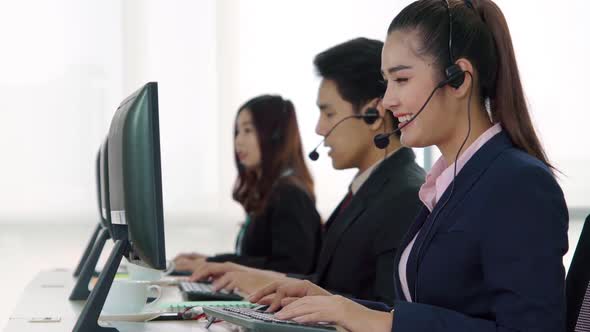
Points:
[(282, 231), (485, 253)]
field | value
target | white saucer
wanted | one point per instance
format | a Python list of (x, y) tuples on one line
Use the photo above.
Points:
[(137, 317)]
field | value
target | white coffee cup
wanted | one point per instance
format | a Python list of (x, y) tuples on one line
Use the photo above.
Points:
[(137, 272), (130, 297)]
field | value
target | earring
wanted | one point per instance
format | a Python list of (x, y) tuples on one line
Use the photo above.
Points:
[(488, 106)]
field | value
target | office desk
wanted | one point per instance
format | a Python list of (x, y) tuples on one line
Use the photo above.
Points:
[(47, 296)]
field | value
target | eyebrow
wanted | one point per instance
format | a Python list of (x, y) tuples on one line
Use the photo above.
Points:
[(392, 70)]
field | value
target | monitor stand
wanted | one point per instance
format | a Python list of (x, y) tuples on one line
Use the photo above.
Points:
[(88, 319), (80, 290), (87, 251)]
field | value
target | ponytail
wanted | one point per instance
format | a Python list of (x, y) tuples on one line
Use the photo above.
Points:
[(508, 102)]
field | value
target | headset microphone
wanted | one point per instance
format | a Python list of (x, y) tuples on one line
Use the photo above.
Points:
[(370, 116)]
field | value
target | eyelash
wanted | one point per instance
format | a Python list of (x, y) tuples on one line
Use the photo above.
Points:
[(397, 80)]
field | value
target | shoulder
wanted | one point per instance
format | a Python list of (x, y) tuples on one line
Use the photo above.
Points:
[(403, 182), (289, 187), (521, 193), (402, 172), (515, 168)]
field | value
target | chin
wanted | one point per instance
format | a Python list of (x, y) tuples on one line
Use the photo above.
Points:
[(339, 164), (335, 164), (410, 141), (247, 165)]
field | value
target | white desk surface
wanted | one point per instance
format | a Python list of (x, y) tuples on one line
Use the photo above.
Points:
[(47, 296)]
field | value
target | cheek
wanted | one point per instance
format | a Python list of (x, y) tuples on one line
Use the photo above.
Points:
[(427, 128), (255, 149), (349, 144)]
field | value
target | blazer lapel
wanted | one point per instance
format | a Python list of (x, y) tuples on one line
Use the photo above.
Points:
[(340, 222), (334, 232), (464, 181), (414, 228)]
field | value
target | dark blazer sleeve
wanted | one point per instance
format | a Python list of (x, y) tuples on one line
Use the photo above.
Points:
[(403, 209), (295, 233), (523, 239)]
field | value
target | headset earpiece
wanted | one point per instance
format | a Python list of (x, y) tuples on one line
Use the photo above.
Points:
[(455, 76), (371, 115)]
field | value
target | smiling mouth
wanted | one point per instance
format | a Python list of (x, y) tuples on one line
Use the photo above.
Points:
[(404, 119)]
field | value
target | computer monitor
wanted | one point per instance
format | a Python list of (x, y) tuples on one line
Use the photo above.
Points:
[(135, 196), (135, 176)]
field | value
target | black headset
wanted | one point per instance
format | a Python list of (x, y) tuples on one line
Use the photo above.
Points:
[(455, 77)]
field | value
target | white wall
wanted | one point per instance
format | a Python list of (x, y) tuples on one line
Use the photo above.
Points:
[(66, 64), (60, 68), (174, 43), (553, 49)]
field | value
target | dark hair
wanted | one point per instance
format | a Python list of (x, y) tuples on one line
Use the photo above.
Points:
[(281, 151), (480, 35), (355, 67)]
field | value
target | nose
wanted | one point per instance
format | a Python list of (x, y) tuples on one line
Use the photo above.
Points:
[(238, 140), (320, 127), (391, 100)]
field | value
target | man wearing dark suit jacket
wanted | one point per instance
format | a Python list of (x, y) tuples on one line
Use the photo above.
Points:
[(363, 233)]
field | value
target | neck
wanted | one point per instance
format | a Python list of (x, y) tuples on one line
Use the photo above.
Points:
[(375, 154), (479, 124)]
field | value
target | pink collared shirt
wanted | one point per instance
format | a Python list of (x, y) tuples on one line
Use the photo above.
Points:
[(437, 181)]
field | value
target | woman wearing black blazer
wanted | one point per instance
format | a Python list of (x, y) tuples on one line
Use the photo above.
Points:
[(485, 253), (282, 230)]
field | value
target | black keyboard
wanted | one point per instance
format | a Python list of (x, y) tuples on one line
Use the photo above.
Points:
[(203, 291), (262, 321)]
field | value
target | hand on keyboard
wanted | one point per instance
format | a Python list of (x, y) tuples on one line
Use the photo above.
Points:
[(263, 316), (213, 270), (246, 282), (283, 292), (337, 310)]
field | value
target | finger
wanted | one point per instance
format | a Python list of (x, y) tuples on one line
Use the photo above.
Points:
[(211, 270), (297, 303), (263, 292), (200, 274), (288, 300), (297, 308), (221, 283), (276, 301), (232, 286), (267, 300)]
